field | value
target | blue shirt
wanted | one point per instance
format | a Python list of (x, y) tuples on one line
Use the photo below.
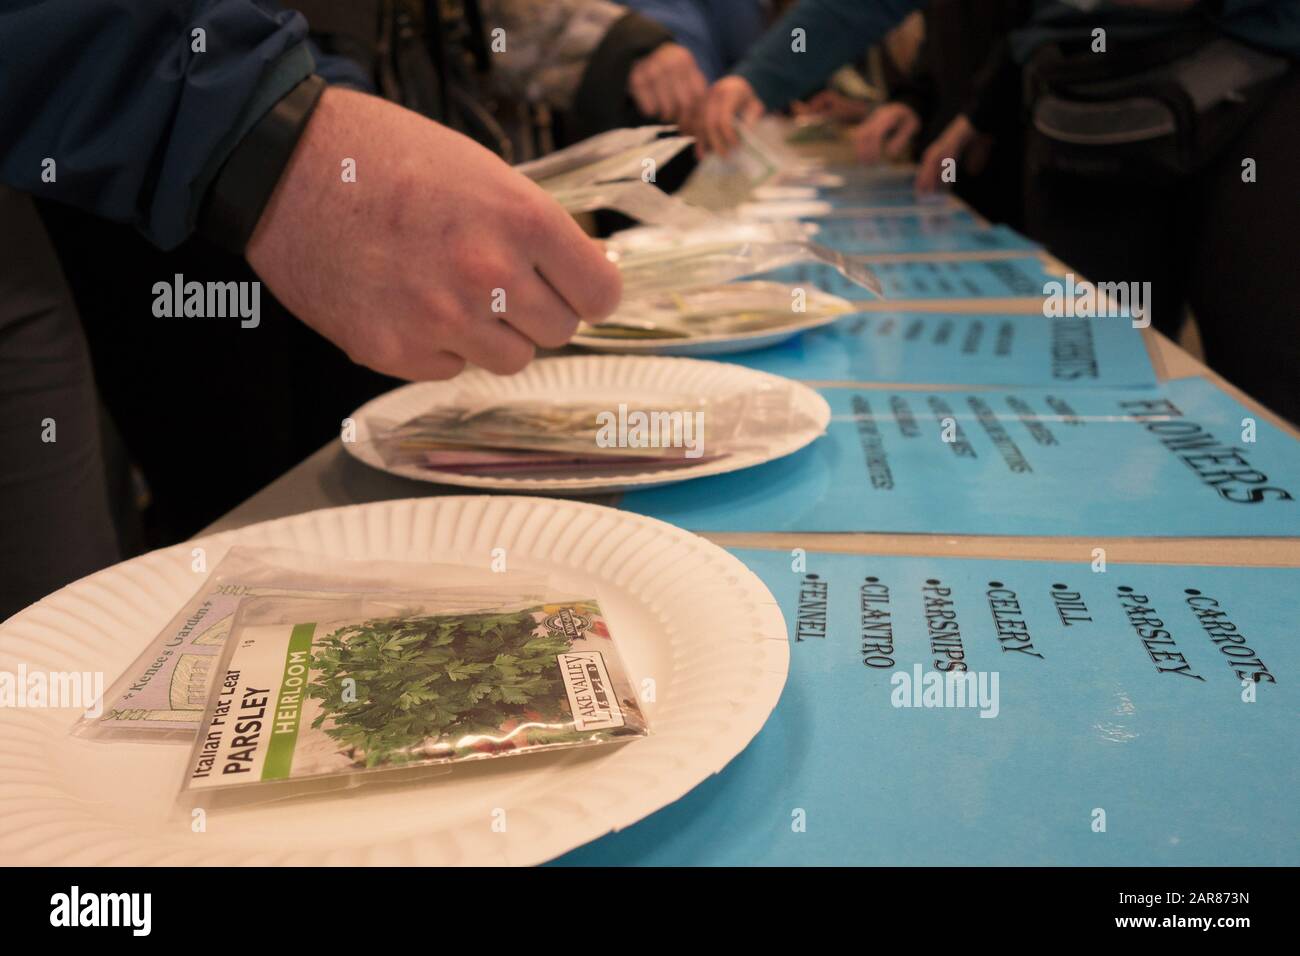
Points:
[(717, 32)]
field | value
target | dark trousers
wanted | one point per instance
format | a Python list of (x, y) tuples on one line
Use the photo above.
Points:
[(1224, 247), (55, 523)]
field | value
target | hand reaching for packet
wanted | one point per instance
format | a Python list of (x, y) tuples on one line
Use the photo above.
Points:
[(438, 254)]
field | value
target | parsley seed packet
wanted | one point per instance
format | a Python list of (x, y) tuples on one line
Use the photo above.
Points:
[(340, 685), (161, 697)]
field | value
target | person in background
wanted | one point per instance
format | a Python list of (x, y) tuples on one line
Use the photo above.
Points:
[(816, 37), (211, 118), (963, 70), (599, 65), (717, 33), (1201, 205)]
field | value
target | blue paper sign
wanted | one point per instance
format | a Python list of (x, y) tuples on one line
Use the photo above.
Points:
[(992, 239), (965, 348), (1022, 277), (1183, 459), (894, 227), (960, 711), (888, 197)]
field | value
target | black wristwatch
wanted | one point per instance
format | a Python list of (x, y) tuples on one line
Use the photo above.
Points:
[(244, 184)]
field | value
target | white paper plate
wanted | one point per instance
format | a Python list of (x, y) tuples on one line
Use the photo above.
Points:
[(684, 613), (639, 381), (727, 344)]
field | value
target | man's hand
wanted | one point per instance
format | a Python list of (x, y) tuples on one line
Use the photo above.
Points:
[(886, 134), (728, 98), (667, 84), (833, 105), (952, 142), (402, 268)]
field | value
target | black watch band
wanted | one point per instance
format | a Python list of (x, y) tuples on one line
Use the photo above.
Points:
[(244, 183)]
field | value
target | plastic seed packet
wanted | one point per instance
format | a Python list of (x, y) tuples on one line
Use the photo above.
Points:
[(720, 229), (591, 150), (776, 210), (162, 695), (637, 200), (734, 307), (631, 164), (559, 435), (541, 425), (336, 688), (753, 162), (659, 259)]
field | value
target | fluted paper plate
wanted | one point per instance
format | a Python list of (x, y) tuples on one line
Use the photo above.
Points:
[(691, 622), (639, 381), (722, 343)]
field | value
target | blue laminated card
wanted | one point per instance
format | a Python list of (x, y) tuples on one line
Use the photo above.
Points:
[(991, 239), (885, 198), (1182, 459), (962, 348), (1021, 277), (892, 227), (945, 711)]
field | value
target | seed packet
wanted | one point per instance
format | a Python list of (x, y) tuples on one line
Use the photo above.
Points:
[(637, 200), (777, 210), (161, 696), (591, 150), (690, 259), (641, 432), (630, 164), (813, 129), (545, 464), (752, 163), (720, 229), (733, 307), (337, 686), (542, 425)]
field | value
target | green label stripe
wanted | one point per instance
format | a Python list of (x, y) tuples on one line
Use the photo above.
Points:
[(288, 704)]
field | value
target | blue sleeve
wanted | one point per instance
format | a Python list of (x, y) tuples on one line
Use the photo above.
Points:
[(688, 23), (835, 32), (717, 32), (136, 120)]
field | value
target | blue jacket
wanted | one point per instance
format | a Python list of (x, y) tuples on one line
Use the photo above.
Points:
[(838, 31), (717, 32), (136, 121)]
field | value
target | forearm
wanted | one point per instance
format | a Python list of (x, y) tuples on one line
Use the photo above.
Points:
[(834, 33), (135, 119)]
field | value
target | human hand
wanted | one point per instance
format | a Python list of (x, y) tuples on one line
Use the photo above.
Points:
[(667, 83), (832, 105), (886, 134), (952, 142), (437, 255), (728, 98)]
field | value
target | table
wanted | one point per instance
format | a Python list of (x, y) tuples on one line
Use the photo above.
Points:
[(331, 477)]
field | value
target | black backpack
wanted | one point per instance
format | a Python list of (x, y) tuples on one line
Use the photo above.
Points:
[(1160, 107)]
